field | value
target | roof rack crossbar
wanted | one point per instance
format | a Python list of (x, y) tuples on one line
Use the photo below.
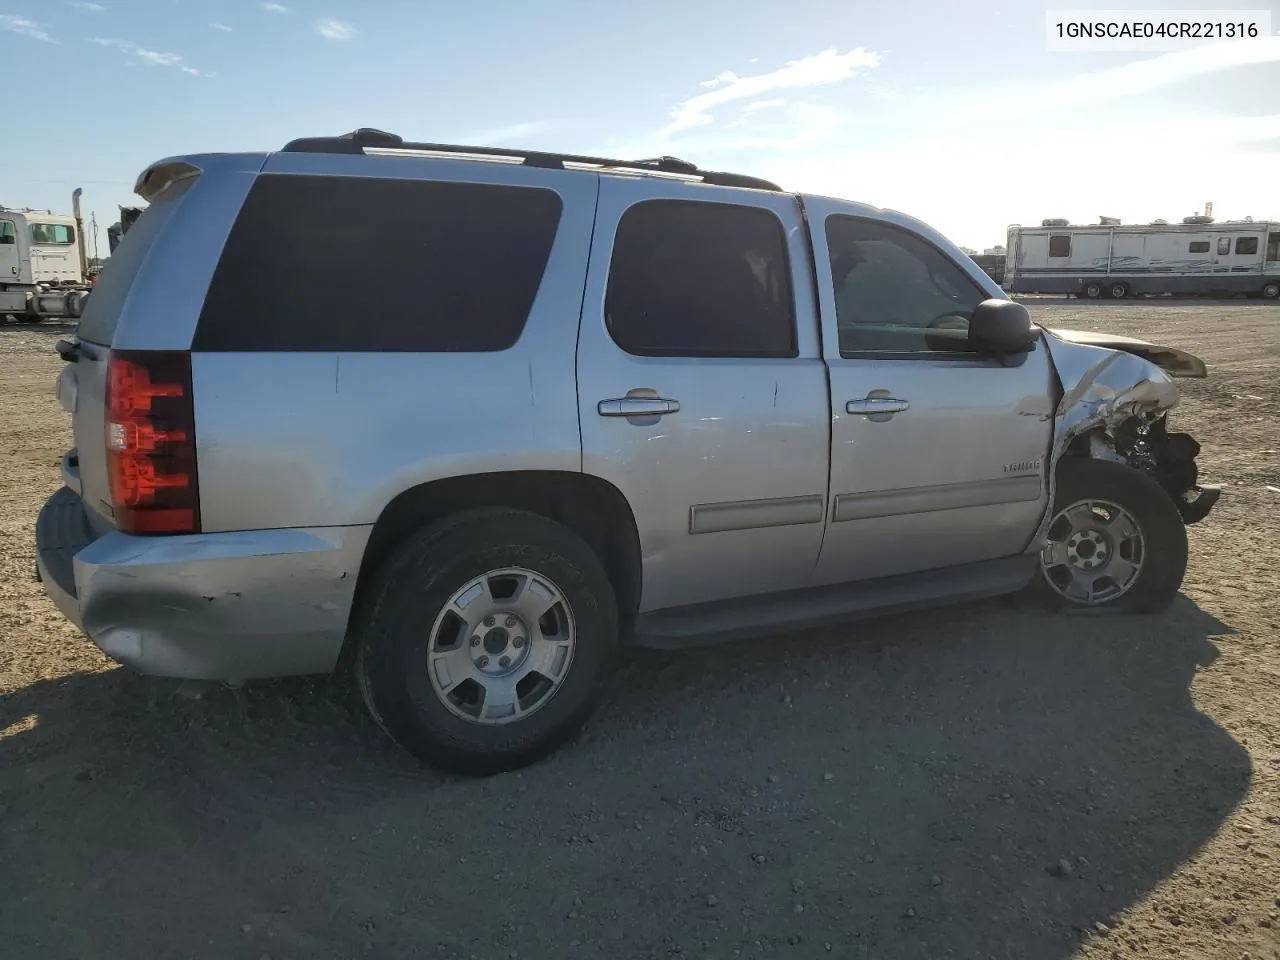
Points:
[(357, 141)]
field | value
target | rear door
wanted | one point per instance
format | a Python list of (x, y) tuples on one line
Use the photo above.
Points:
[(701, 397), (938, 454)]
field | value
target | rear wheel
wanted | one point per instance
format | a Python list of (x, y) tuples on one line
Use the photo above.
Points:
[(1093, 290), (1116, 541), (485, 640), (1271, 291), (1119, 290)]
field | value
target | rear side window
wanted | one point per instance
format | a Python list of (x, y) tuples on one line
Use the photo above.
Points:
[(695, 279), (1247, 245), (1199, 246), (102, 309), (365, 265)]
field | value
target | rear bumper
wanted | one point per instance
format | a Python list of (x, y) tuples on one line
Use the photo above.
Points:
[(215, 606)]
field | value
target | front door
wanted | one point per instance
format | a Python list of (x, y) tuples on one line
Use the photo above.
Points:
[(938, 454), (1244, 256), (10, 259), (700, 396)]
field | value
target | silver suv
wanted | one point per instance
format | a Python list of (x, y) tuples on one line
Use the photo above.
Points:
[(477, 418)]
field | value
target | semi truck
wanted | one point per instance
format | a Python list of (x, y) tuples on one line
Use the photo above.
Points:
[(42, 264)]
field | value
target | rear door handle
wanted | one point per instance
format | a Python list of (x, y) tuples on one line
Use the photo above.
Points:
[(637, 407), (876, 405)]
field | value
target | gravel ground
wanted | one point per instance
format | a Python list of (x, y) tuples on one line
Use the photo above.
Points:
[(981, 782)]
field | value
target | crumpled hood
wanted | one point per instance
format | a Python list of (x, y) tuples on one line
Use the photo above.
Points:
[(1175, 362)]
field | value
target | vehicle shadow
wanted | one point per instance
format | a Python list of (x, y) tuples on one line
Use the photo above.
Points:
[(981, 781)]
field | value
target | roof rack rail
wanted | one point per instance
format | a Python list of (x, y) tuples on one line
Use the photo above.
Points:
[(357, 140)]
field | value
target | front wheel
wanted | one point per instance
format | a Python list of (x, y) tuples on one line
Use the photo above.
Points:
[(1115, 541), (485, 640), (1271, 291)]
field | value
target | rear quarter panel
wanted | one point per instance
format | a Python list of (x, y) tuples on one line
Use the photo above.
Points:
[(317, 439)]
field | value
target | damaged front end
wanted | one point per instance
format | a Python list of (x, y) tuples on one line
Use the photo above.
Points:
[(1115, 406)]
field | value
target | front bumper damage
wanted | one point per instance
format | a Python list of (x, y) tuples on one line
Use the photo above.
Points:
[(1115, 405)]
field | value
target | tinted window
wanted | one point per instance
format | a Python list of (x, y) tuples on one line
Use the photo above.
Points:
[(699, 279), (1060, 245), (1273, 248), (56, 233), (357, 264), (1199, 246), (7, 233), (1224, 246), (895, 292), (1247, 245), (102, 309)]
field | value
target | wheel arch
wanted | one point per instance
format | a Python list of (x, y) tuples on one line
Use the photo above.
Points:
[(588, 505)]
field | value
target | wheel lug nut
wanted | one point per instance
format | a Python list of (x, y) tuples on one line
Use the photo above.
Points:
[(482, 662), (511, 621), (504, 662), (518, 642), (475, 641), (488, 621)]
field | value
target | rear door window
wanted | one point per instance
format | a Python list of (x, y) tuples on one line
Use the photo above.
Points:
[(697, 279), (358, 264)]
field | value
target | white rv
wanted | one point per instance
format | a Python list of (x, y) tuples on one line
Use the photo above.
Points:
[(1196, 256), (42, 264)]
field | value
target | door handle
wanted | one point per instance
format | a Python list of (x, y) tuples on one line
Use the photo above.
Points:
[(876, 405), (637, 407)]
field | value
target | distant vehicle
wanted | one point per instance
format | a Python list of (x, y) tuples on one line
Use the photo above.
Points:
[(43, 267), (128, 217), (1196, 256), (612, 402), (992, 264)]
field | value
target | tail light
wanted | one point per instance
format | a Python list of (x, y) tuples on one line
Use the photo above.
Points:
[(151, 442)]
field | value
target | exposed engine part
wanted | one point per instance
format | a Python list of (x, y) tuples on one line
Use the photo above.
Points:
[(1145, 443)]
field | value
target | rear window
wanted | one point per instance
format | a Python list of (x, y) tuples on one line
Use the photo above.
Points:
[(319, 263), (102, 309)]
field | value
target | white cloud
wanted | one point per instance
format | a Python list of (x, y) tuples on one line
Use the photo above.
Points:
[(139, 54), (763, 105), (25, 28), (87, 5), (508, 135), (275, 8), (220, 26), (332, 29), (1143, 76), (821, 69)]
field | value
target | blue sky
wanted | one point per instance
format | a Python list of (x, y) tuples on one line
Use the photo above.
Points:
[(953, 112)]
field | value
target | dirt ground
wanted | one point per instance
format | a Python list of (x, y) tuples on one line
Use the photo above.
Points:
[(981, 782)]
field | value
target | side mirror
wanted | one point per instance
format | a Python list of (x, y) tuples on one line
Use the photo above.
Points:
[(1001, 327)]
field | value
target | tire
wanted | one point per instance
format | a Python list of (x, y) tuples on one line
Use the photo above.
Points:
[(404, 615), (1093, 290), (1161, 561), (1271, 291), (1118, 291)]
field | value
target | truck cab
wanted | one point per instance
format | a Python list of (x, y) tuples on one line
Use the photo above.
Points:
[(41, 265)]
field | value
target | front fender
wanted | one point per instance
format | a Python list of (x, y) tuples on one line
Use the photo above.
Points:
[(1101, 388)]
